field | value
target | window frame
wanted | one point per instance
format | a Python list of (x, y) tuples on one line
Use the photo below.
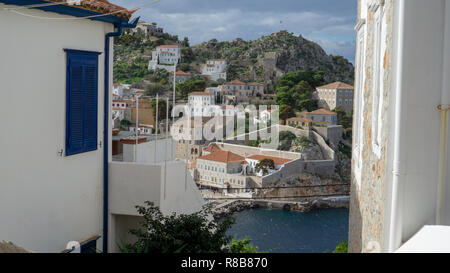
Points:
[(87, 60)]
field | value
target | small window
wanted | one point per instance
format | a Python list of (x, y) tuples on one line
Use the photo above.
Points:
[(81, 101)]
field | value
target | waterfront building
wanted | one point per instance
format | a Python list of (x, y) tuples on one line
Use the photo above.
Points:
[(400, 192), (221, 170)]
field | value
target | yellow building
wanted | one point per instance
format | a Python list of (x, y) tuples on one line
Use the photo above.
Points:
[(145, 112)]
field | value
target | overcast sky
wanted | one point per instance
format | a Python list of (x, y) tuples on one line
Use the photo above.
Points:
[(327, 22)]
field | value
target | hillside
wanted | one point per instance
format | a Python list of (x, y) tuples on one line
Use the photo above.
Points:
[(264, 60), (251, 60)]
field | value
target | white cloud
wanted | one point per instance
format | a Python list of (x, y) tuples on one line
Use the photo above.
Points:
[(333, 32)]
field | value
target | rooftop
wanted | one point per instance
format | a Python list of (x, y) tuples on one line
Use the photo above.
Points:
[(169, 46), (336, 85), (181, 73), (236, 82), (223, 156), (199, 93), (301, 119), (322, 112), (212, 148), (101, 6), (276, 160)]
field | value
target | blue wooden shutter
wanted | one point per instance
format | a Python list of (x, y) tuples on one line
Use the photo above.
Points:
[(81, 102)]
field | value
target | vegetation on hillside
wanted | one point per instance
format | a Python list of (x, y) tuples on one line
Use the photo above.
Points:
[(245, 58), (295, 92)]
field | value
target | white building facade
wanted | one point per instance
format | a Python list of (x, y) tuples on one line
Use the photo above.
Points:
[(51, 189), (201, 103), (165, 56), (215, 69)]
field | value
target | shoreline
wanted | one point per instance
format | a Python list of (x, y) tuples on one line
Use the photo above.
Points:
[(230, 207)]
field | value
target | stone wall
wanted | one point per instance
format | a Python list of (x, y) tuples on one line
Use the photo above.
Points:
[(331, 133), (246, 151), (367, 198)]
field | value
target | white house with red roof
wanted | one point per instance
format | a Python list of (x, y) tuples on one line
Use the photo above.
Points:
[(254, 160), (221, 170), (165, 56), (180, 76)]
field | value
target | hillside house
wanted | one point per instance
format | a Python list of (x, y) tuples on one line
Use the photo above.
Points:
[(165, 57), (215, 69), (63, 185)]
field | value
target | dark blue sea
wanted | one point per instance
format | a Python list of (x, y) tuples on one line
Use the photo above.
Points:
[(280, 231)]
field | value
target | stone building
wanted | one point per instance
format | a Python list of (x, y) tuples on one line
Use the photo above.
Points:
[(400, 190), (335, 94), (241, 91)]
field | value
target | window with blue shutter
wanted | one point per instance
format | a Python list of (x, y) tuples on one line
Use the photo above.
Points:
[(81, 101)]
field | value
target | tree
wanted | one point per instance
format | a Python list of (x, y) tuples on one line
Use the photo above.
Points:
[(185, 42), (184, 88), (286, 112), (161, 108), (295, 89), (182, 233), (265, 165), (153, 88), (341, 248)]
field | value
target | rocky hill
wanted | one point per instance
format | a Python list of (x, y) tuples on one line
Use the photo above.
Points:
[(263, 60), (270, 56)]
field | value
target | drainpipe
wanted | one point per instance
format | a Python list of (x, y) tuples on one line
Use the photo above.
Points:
[(106, 138), (399, 162), (106, 128), (444, 109)]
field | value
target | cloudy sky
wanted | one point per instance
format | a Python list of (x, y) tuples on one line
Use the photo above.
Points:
[(327, 22)]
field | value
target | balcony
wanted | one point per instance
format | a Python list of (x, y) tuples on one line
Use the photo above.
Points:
[(147, 171)]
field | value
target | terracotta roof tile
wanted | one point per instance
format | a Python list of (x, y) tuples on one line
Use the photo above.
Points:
[(201, 93), (181, 73), (322, 112), (223, 156), (102, 6), (168, 46), (300, 119), (336, 85), (235, 82), (212, 148), (276, 160)]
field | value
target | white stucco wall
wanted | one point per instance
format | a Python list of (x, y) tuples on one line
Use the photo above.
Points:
[(45, 199)]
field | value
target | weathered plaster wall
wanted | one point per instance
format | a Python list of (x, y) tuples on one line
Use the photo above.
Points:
[(368, 199)]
